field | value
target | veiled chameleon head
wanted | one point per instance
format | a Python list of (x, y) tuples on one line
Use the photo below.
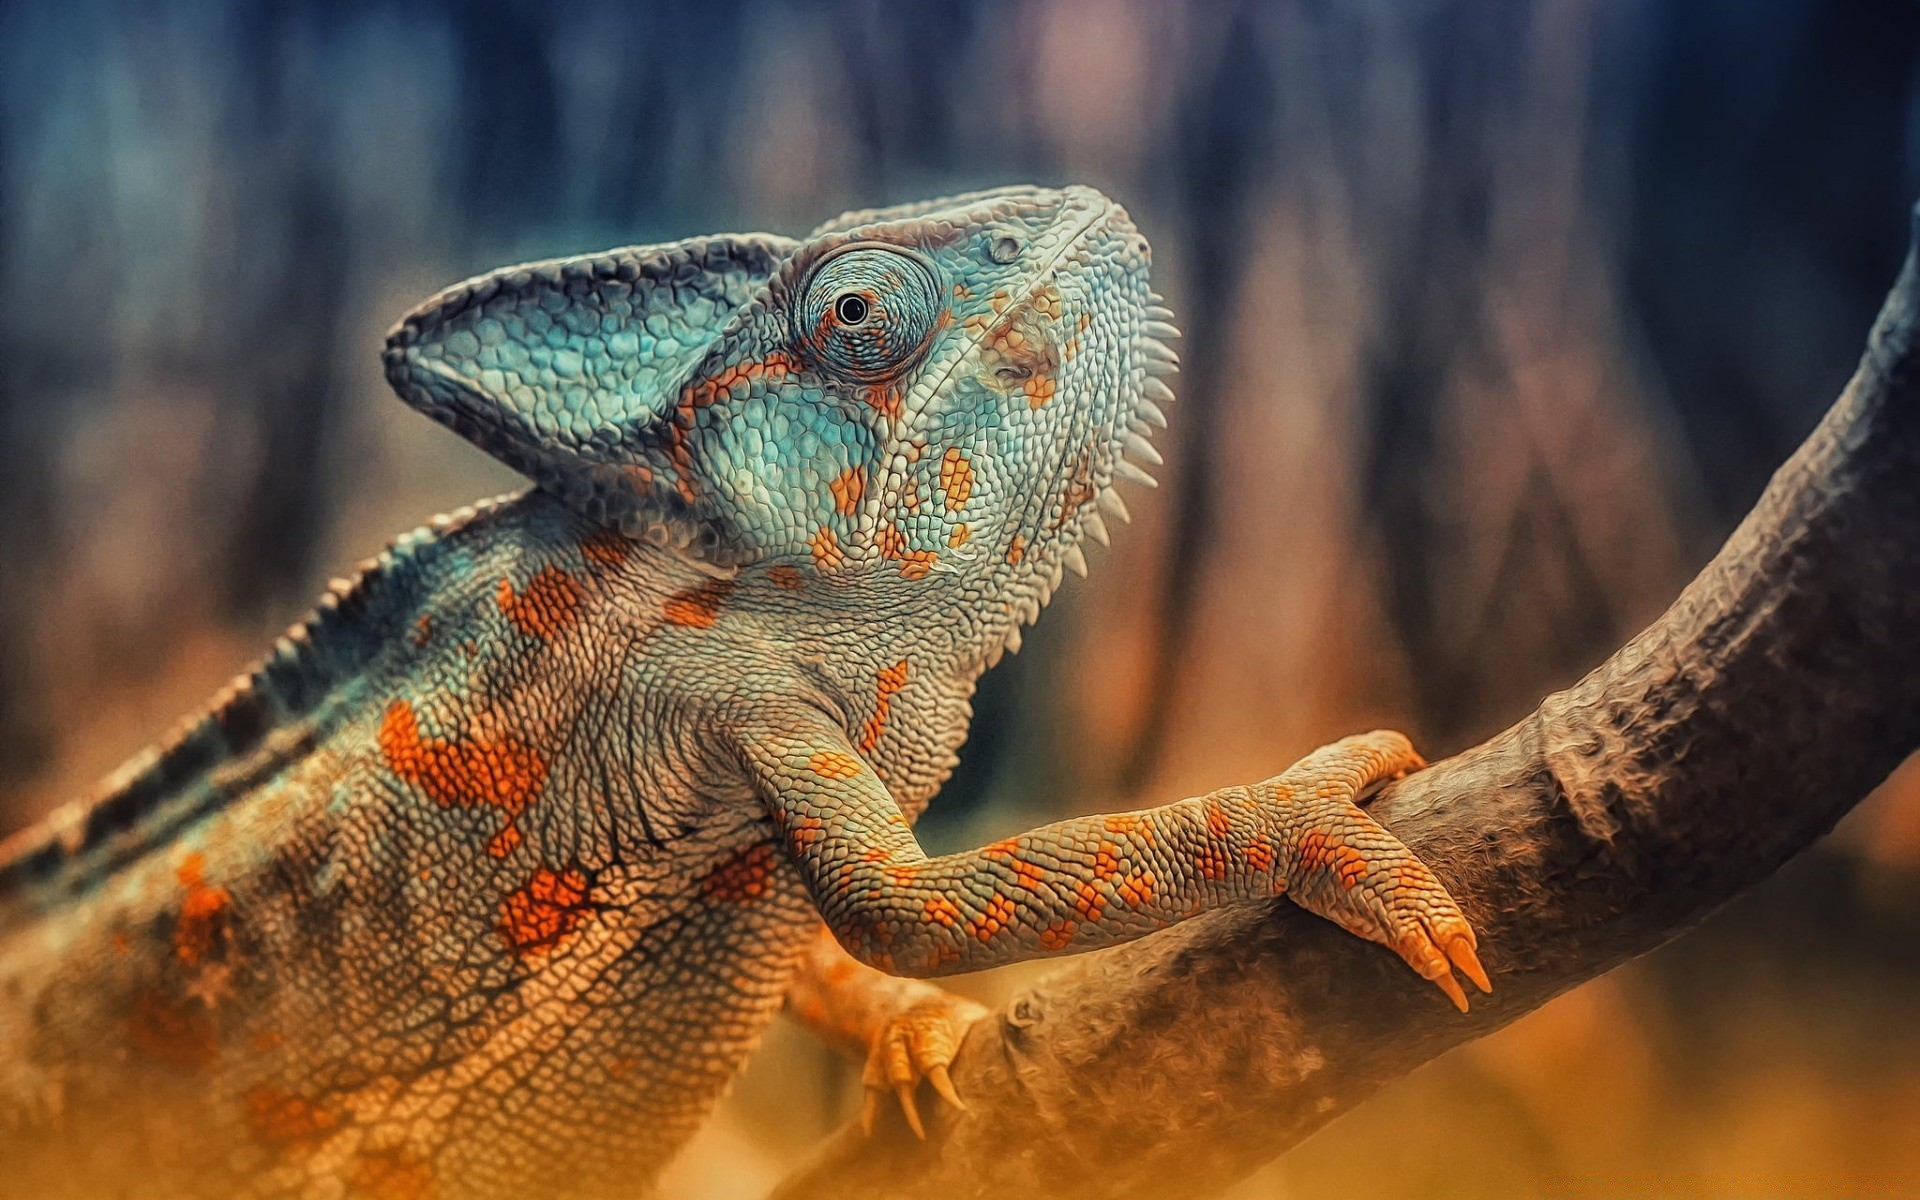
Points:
[(933, 392)]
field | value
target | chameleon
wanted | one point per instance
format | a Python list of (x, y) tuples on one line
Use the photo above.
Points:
[(487, 878)]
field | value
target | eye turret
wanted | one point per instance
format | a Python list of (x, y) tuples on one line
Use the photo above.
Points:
[(869, 312)]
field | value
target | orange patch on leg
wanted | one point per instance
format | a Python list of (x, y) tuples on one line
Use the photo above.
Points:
[(833, 764), (1260, 855), (1088, 901), (550, 603), (543, 912), (890, 681), (1350, 865), (998, 916), (939, 910), (698, 607), (742, 877), (503, 774)]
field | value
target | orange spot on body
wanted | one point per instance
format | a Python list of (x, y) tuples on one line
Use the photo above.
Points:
[(543, 912), (1017, 550), (786, 578), (847, 488), (884, 398), (956, 478), (914, 564), (742, 877), (201, 933), (281, 1118), (826, 550), (605, 548), (1078, 491), (735, 380), (833, 764), (1057, 935), (394, 1175), (959, 535), (423, 629), (177, 1033), (698, 607), (550, 603), (886, 687), (503, 773)]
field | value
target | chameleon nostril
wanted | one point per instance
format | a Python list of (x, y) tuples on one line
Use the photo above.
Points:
[(1004, 249)]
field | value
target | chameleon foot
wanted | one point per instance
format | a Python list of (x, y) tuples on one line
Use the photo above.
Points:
[(916, 1043), (1348, 869)]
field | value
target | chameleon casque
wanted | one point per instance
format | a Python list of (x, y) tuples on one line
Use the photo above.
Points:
[(487, 879)]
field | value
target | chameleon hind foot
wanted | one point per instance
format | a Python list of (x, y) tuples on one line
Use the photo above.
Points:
[(917, 1042), (1345, 867)]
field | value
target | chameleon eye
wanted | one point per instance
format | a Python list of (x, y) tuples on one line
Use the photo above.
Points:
[(851, 309), (869, 312)]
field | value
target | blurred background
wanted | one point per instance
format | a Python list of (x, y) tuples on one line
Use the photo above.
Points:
[(1499, 316)]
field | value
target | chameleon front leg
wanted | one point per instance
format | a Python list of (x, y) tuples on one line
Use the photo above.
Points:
[(1096, 881), (907, 1029)]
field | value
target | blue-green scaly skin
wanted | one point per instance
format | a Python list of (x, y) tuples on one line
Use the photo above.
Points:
[(484, 883)]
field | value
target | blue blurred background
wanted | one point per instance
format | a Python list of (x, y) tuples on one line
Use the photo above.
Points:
[(1499, 315)]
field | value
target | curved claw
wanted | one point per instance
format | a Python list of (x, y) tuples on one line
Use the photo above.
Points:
[(943, 1083), (1461, 951), (917, 1042), (910, 1110)]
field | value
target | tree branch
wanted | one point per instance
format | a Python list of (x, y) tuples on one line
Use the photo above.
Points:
[(1782, 685)]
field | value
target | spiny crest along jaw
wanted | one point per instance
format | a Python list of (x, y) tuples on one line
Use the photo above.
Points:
[(1152, 363)]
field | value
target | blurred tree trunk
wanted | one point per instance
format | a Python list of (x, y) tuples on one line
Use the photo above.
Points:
[(1780, 687)]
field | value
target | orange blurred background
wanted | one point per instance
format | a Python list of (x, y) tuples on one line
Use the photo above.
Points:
[(1499, 314)]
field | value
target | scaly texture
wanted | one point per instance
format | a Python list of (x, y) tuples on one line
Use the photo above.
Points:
[(486, 881)]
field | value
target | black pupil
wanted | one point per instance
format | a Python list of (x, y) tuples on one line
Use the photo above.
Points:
[(851, 309)]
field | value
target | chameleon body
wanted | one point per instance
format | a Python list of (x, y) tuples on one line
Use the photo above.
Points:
[(487, 879)]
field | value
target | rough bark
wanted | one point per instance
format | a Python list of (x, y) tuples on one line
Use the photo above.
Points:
[(1781, 686)]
